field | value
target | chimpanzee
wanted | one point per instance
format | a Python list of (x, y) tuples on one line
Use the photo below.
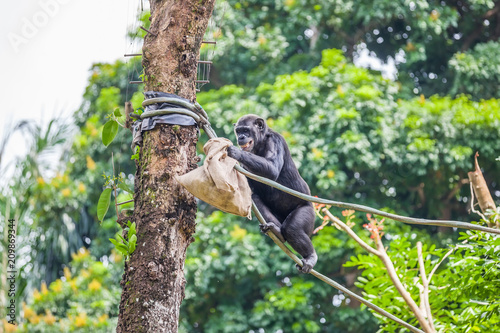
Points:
[(265, 153)]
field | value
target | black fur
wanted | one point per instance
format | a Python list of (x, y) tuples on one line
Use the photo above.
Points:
[(265, 153)]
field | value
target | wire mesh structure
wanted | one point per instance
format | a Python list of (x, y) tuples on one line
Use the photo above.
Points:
[(208, 45), (133, 44), (207, 50)]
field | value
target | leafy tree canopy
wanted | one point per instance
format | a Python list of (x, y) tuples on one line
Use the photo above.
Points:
[(355, 136), (354, 140), (259, 39)]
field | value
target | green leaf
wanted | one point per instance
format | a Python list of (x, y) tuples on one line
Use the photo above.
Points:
[(131, 244), (117, 113), (114, 241), (109, 132), (119, 246), (125, 187), (122, 248), (131, 231), (121, 239), (136, 155), (103, 204)]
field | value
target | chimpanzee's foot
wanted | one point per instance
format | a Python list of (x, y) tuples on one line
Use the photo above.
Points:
[(308, 264), (264, 228)]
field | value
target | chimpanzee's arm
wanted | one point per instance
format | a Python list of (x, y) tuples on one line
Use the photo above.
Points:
[(268, 166)]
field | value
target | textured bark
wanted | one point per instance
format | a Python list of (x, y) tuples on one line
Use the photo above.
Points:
[(169, 58), (153, 282), (483, 195), (480, 187)]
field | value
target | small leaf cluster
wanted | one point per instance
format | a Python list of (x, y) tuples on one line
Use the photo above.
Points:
[(238, 281), (353, 139), (84, 299), (116, 182), (462, 291), (126, 246)]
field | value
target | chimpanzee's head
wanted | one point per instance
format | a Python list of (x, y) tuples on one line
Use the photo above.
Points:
[(250, 131)]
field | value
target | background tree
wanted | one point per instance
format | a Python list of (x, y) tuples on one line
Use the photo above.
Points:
[(436, 45), (356, 137)]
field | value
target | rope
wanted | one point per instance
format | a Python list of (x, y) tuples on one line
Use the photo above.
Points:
[(329, 281), (200, 116), (195, 111), (366, 209)]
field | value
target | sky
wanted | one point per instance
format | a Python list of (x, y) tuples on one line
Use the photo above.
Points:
[(46, 50)]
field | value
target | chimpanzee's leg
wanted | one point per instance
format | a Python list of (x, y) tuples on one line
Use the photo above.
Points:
[(297, 228), (273, 223)]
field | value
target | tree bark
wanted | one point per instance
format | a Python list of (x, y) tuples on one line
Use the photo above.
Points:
[(153, 282), (480, 187)]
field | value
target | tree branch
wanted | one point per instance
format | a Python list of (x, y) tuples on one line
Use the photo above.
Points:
[(391, 271), (439, 263), (472, 206), (330, 281), (483, 195), (425, 283), (351, 233)]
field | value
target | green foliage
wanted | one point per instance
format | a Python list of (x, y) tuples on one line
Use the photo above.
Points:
[(109, 132), (259, 39), (126, 188), (126, 246), (137, 154), (58, 196), (83, 300), (461, 297), (26, 195), (469, 301), (103, 203), (477, 72), (237, 280), (354, 140)]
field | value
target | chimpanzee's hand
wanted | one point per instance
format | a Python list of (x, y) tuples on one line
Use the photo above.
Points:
[(234, 152)]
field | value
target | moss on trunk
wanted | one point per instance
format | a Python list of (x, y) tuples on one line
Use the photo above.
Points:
[(153, 282)]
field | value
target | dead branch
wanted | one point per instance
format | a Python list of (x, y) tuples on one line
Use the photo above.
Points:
[(425, 284), (481, 190)]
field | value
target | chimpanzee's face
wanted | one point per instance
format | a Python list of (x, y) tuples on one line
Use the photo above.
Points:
[(249, 131)]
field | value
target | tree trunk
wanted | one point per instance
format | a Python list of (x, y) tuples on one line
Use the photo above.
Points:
[(153, 282)]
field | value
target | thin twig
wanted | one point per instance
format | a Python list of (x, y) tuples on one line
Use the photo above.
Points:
[(410, 220), (439, 263), (148, 31), (125, 202), (114, 185), (351, 233), (425, 283), (386, 260), (330, 281)]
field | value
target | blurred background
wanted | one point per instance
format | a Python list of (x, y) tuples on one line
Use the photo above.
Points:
[(383, 103)]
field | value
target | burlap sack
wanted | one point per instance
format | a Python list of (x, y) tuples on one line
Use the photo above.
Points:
[(217, 183)]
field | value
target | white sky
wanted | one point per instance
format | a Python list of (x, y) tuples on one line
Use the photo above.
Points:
[(46, 50)]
